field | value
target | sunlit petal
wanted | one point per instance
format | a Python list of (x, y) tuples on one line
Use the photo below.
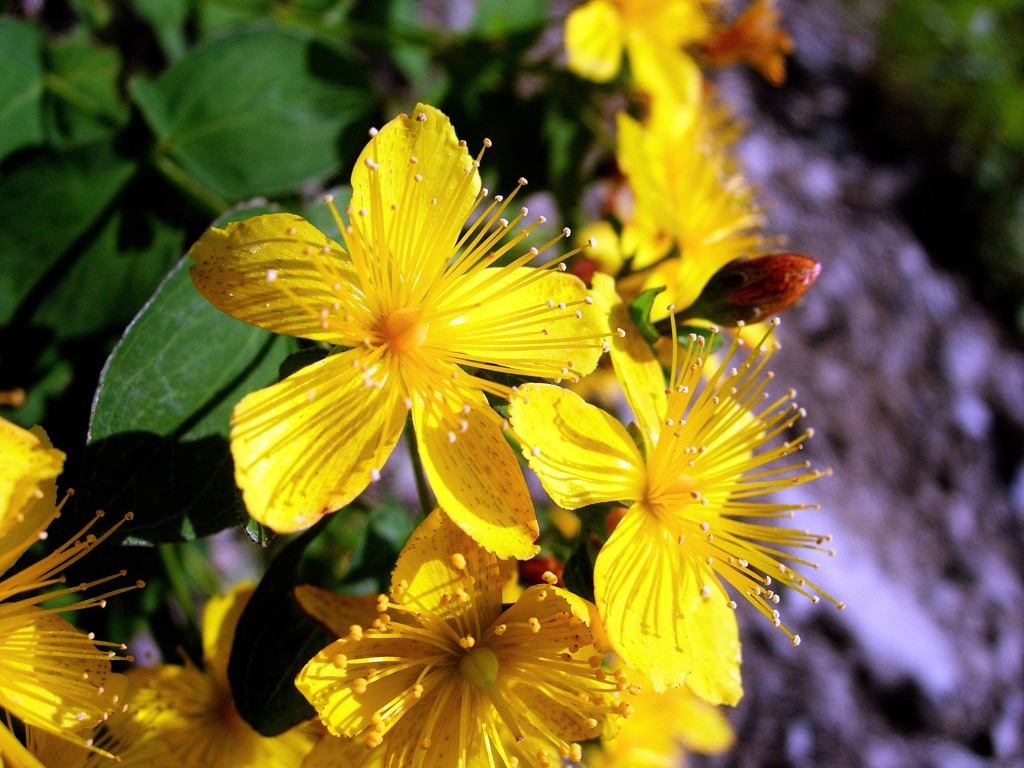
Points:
[(311, 443), (580, 453)]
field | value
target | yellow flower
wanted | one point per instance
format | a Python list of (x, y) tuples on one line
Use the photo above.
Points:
[(120, 735), (190, 711), (53, 678), (662, 729), (443, 677), (693, 524), (653, 32), (692, 211), (426, 314)]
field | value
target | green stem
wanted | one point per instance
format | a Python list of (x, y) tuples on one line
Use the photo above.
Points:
[(175, 572), (181, 180), (427, 503)]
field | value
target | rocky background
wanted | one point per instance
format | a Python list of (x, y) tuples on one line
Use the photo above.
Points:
[(917, 394)]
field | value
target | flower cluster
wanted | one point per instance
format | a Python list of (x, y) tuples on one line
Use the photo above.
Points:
[(517, 628)]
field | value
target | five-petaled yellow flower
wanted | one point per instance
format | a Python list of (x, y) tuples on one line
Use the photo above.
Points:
[(693, 525), (190, 712), (444, 678), (54, 679), (431, 317)]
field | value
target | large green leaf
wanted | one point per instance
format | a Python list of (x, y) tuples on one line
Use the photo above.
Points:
[(21, 85), (258, 112), (46, 205), (158, 437), (112, 277)]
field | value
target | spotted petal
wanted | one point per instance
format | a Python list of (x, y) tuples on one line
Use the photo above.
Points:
[(309, 444), (580, 453), (437, 559), (419, 220), (272, 271), (475, 476), (671, 633)]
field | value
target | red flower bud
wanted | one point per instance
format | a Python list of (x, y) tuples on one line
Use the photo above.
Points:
[(750, 290)]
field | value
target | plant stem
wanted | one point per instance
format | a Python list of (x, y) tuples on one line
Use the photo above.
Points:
[(422, 488)]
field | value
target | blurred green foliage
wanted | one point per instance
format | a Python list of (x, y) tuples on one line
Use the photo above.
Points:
[(959, 65)]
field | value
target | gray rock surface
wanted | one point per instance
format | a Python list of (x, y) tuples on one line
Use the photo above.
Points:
[(917, 397)]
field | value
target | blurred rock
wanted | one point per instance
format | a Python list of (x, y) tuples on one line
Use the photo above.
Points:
[(917, 396)]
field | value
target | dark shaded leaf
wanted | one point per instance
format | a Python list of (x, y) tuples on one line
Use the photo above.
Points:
[(83, 103), (273, 641), (48, 204), (21, 85), (158, 437)]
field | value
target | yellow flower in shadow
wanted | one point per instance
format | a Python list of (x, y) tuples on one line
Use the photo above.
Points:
[(662, 729), (445, 677), (54, 679), (189, 710)]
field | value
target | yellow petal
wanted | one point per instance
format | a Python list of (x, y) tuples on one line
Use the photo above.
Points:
[(271, 271), (336, 613), (220, 617), (673, 634), (329, 687), (196, 720), (664, 72), (28, 488), (593, 40), (663, 725), (607, 250), (334, 751), (309, 444), (703, 727), (51, 674), (580, 453), (475, 476), (637, 369), (518, 322), (389, 201), (434, 562)]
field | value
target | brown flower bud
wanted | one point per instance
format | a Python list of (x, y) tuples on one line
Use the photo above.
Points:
[(750, 290)]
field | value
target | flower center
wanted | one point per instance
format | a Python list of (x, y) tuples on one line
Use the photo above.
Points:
[(479, 668), (405, 330)]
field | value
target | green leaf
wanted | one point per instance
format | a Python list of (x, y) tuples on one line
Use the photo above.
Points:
[(640, 314), (84, 103), (578, 574), (158, 437), (49, 203), (500, 18), (274, 640), (21, 85), (167, 20), (112, 277), (258, 112)]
